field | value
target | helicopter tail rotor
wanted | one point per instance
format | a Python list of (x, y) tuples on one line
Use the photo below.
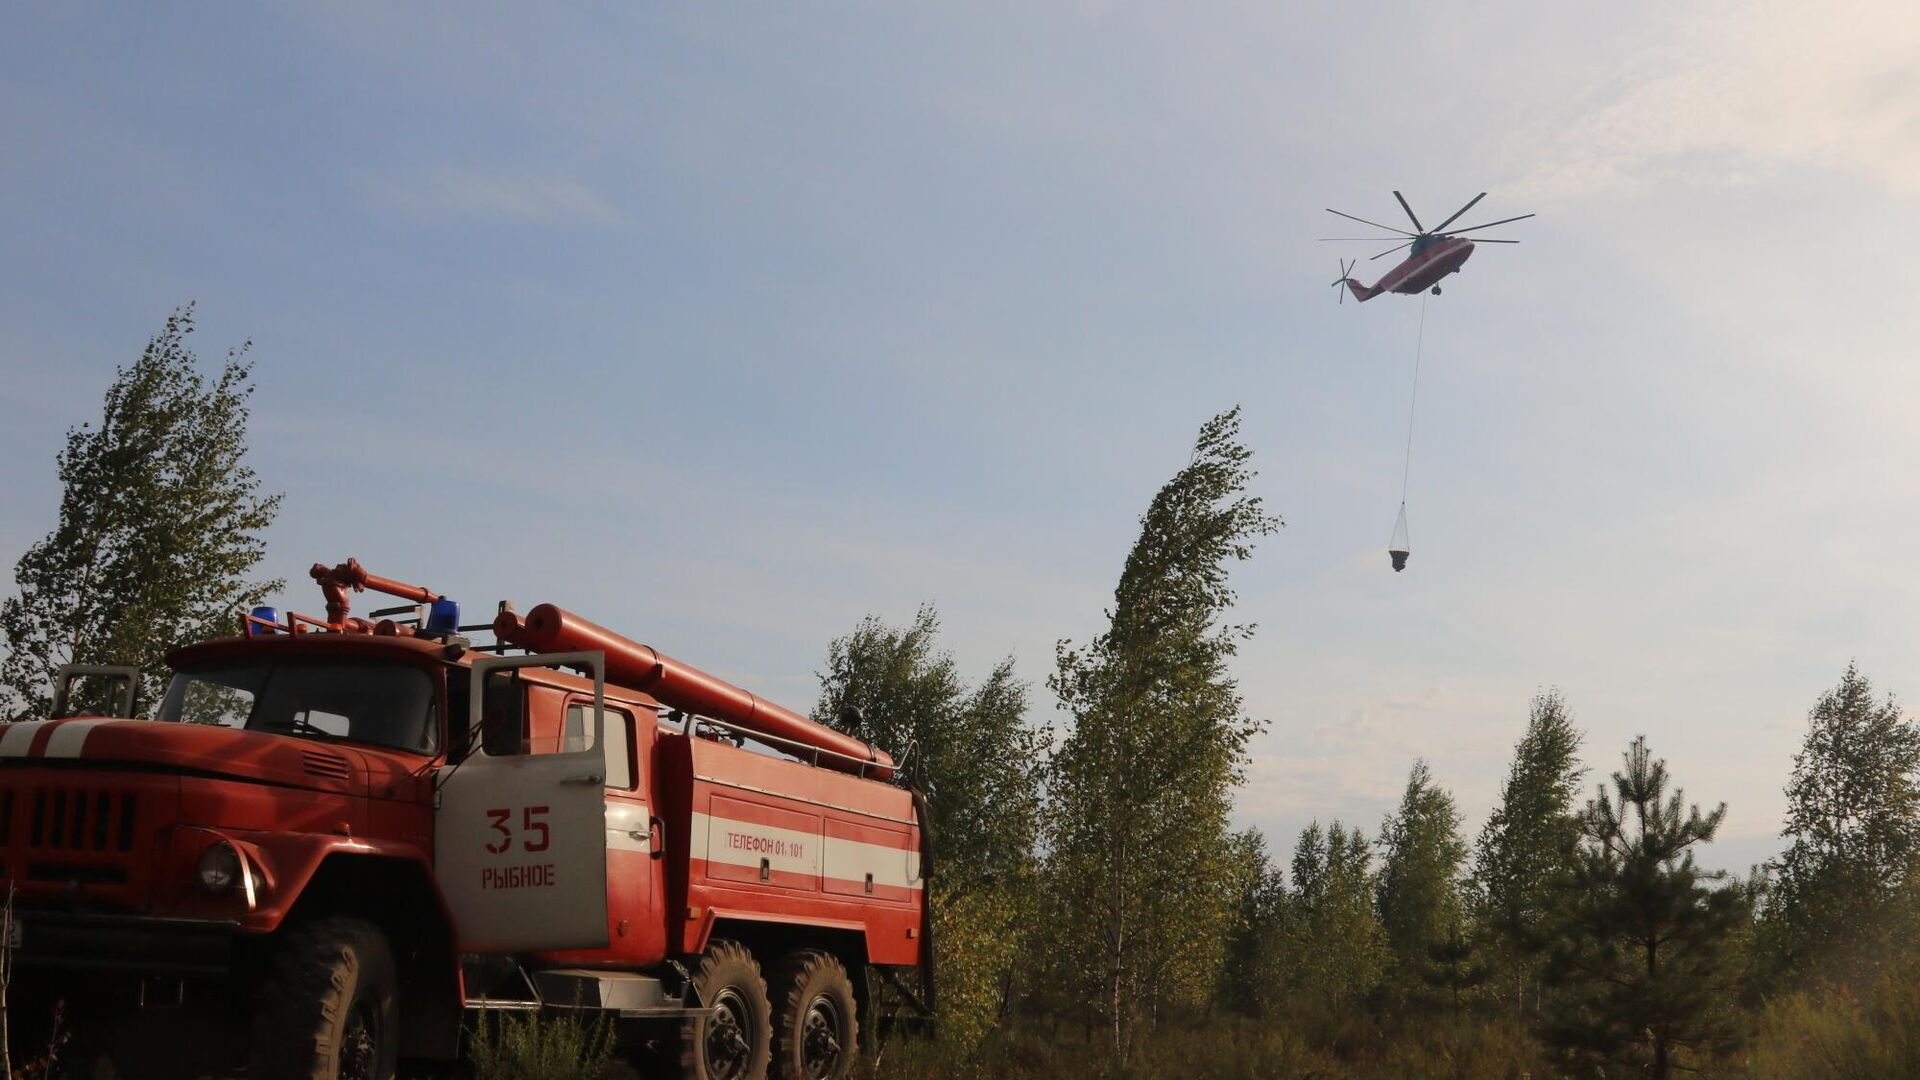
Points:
[(1346, 268)]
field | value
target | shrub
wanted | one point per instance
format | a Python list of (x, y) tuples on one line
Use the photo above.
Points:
[(1835, 1033), (533, 1046)]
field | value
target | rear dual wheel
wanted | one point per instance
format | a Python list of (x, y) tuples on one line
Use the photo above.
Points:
[(817, 1031), (808, 1031)]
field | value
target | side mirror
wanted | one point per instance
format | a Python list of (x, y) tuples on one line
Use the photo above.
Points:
[(496, 700), (503, 716), (95, 690)]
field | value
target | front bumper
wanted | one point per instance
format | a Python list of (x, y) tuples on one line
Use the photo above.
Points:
[(126, 943)]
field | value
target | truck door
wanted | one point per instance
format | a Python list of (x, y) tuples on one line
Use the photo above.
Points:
[(520, 842), (634, 885)]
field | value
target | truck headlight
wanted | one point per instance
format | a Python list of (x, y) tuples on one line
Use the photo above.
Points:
[(219, 867)]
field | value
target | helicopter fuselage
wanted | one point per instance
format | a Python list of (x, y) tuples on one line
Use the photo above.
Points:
[(1421, 270), (1434, 253)]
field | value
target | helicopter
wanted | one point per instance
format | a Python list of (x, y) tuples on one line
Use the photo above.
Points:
[(1436, 253)]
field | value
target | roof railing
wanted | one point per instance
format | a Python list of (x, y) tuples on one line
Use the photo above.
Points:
[(802, 751)]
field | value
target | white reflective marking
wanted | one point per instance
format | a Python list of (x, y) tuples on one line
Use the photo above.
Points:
[(744, 843), (18, 738), (852, 860), (70, 738)]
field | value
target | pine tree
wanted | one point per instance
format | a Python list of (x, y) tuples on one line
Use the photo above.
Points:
[(159, 526), (981, 764), (1852, 822), (1645, 942), (1455, 966), (1421, 854), (1139, 866), (1527, 843)]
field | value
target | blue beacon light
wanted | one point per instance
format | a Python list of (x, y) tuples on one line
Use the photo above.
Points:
[(444, 616), (267, 615)]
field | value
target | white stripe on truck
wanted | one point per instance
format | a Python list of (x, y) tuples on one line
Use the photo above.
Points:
[(17, 738), (745, 843), (70, 738)]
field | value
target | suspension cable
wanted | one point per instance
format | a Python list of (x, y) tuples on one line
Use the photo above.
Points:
[(1406, 467)]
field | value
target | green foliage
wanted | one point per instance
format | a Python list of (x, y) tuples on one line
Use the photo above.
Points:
[(1333, 949), (1456, 966), (1834, 1029), (1833, 1032), (532, 1046), (1854, 1010), (1260, 904), (1853, 825), (1140, 875), (981, 763), (1294, 1046), (1526, 846), (1460, 1047), (1421, 854), (1645, 940), (159, 526), (982, 935)]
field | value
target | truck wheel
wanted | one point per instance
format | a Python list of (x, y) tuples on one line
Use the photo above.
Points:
[(817, 1033), (733, 1039), (328, 1006)]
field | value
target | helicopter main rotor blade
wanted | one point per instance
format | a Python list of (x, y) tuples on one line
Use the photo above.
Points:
[(1364, 221), (1391, 250), (1457, 213), (1351, 239), (1496, 241), (1409, 210), (1488, 225)]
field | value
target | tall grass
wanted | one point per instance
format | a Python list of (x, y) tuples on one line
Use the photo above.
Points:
[(1237, 1048), (534, 1046), (1834, 1032)]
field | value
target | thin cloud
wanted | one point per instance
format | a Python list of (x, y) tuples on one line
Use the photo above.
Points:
[(1742, 91), (471, 193)]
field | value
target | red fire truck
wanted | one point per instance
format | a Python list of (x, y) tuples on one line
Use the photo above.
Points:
[(341, 839)]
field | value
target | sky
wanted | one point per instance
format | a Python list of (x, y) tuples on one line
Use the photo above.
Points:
[(728, 325)]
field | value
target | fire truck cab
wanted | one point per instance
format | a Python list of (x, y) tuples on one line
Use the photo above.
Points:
[(339, 842)]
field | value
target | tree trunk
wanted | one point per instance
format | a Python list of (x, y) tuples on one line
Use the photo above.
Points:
[(1659, 1035)]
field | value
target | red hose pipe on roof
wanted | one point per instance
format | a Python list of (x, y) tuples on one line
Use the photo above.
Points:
[(681, 686)]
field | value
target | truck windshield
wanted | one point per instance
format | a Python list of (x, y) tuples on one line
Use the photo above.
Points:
[(384, 704)]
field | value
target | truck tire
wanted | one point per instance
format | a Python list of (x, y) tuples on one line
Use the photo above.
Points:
[(816, 1030), (329, 1006), (734, 1038)]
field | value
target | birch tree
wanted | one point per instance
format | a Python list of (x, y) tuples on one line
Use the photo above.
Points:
[(158, 531), (1140, 876), (1421, 855), (1528, 844), (1852, 824), (981, 763)]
